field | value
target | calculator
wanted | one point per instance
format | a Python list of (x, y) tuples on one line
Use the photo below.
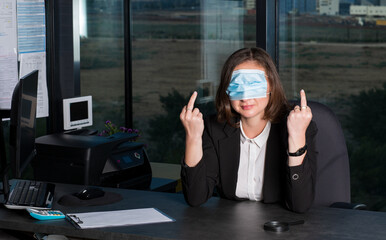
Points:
[(45, 214)]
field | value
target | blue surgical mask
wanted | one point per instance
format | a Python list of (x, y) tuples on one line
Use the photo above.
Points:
[(247, 84)]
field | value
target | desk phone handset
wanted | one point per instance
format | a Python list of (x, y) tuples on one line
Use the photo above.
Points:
[(45, 214)]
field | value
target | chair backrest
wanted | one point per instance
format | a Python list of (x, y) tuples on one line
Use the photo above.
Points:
[(333, 170)]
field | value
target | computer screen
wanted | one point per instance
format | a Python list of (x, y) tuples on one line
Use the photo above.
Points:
[(23, 123), (77, 112)]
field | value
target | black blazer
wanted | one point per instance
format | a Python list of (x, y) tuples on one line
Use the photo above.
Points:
[(293, 186)]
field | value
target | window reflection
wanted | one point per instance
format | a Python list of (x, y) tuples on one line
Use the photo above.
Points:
[(102, 59), (179, 47), (336, 51)]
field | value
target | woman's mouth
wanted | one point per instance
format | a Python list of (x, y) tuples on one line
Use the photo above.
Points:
[(247, 107)]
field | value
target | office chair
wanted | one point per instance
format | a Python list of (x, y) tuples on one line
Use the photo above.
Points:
[(333, 170)]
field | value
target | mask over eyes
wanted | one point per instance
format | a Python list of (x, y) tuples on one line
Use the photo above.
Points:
[(247, 84)]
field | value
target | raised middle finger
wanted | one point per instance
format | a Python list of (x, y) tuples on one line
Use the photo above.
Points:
[(192, 99), (303, 99)]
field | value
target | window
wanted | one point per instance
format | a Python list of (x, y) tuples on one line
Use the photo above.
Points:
[(340, 60), (102, 73), (179, 47)]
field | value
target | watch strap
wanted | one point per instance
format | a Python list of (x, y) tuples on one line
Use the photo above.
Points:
[(299, 152)]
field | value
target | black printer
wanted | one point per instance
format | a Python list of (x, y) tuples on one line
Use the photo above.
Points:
[(112, 161)]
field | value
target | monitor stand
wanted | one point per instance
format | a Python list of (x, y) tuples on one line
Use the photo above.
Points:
[(82, 132)]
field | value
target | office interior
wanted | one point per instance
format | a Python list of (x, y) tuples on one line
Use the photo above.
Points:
[(141, 60)]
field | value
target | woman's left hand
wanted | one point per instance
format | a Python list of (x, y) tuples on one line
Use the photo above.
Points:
[(297, 123)]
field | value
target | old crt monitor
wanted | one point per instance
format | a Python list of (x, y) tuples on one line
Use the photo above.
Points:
[(77, 112), (22, 123)]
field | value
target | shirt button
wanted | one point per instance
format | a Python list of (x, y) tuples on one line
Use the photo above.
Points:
[(295, 176)]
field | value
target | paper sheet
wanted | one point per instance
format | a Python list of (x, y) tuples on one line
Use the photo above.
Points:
[(118, 218), (8, 52), (31, 26), (37, 61)]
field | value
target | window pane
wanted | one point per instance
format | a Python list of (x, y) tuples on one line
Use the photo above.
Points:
[(179, 47), (337, 53), (102, 59)]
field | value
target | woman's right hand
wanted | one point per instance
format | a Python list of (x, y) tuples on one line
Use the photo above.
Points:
[(192, 119), (193, 122)]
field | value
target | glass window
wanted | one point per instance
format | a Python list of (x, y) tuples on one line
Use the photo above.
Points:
[(101, 30), (336, 51), (179, 47)]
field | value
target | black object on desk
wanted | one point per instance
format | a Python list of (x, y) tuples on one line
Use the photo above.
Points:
[(89, 193), (279, 226), (71, 200), (113, 161)]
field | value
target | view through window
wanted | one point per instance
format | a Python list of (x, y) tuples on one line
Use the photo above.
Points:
[(101, 30), (179, 47), (336, 51)]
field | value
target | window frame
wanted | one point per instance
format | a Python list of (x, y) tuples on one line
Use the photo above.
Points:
[(267, 18)]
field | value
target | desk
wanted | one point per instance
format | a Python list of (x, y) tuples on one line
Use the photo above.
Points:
[(217, 219)]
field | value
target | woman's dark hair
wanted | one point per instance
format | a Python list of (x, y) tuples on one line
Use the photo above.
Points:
[(277, 105)]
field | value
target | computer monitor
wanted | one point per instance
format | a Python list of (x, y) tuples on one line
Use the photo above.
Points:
[(23, 123), (77, 112)]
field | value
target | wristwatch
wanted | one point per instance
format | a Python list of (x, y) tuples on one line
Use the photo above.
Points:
[(299, 152)]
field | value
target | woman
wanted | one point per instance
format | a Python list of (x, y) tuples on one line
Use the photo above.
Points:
[(256, 147)]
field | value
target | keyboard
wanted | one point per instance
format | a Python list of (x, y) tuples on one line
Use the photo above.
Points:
[(31, 194)]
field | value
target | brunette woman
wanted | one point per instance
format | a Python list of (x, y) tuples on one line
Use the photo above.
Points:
[(256, 147)]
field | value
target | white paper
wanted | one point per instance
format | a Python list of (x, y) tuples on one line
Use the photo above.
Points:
[(8, 52), (119, 218), (31, 26), (37, 61)]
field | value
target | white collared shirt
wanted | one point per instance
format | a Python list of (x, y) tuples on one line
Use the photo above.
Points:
[(251, 168)]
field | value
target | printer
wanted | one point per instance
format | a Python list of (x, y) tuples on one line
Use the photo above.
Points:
[(112, 161)]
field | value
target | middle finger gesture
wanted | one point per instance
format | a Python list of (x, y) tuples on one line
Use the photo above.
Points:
[(192, 119)]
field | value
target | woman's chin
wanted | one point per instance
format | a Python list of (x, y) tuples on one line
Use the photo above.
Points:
[(249, 114)]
